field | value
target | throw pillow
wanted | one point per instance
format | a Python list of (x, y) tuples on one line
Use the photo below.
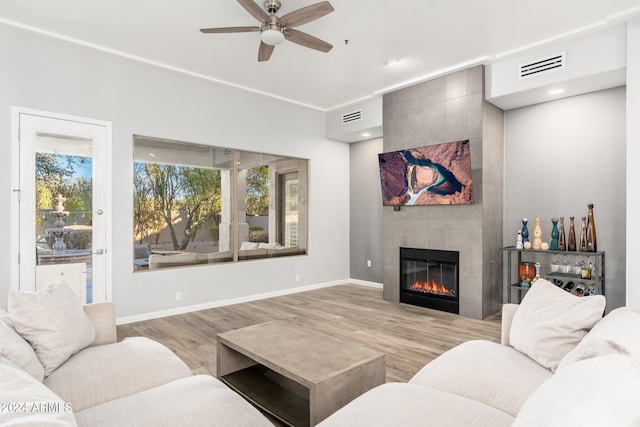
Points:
[(53, 321), (16, 350), (616, 333), (602, 391), (550, 322)]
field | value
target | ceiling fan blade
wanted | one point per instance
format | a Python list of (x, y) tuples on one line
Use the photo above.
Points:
[(229, 30), (255, 10), (265, 51), (306, 14), (307, 40)]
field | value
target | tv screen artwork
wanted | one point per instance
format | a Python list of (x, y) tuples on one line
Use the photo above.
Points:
[(431, 175)]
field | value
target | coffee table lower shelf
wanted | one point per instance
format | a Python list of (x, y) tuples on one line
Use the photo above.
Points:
[(273, 393), (294, 373)]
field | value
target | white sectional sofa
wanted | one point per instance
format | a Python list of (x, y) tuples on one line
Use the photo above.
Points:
[(71, 371), (559, 364)]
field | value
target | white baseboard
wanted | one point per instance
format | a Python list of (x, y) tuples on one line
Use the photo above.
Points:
[(188, 309), (365, 283)]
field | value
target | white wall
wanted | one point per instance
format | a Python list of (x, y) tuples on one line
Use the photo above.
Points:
[(633, 159), (52, 75), (562, 155)]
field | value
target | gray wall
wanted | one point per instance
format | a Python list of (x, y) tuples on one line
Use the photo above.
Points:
[(366, 211), (451, 108), (562, 155), (53, 75)]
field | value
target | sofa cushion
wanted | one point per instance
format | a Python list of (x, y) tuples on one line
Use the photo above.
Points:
[(245, 246), (18, 351), (102, 373), (272, 245), (616, 333), (195, 401), (396, 404), (53, 321), (551, 322), (27, 402), (601, 391), (175, 260), (486, 372)]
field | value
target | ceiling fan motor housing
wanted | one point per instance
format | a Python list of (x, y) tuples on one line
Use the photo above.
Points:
[(272, 6)]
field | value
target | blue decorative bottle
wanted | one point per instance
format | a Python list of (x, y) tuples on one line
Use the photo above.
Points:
[(525, 231), (555, 234)]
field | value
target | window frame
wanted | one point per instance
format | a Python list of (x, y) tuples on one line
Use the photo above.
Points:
[(233, 202)]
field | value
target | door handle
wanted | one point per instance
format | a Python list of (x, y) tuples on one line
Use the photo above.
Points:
[(99, 252)]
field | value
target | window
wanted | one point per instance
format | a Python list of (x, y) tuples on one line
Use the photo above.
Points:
[(289, 208), (196, 204)]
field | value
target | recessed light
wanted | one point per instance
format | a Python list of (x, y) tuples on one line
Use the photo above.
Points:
[(556, 91), (391, 62), (365, 134)]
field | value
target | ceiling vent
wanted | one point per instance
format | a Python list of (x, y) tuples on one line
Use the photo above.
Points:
[(543, 65), (351, 117)]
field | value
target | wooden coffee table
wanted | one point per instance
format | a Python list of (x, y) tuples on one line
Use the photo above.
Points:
[(298, 375)]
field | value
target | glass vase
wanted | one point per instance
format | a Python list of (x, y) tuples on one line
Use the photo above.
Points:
[(555, 234), (592, 244), (583, 235), (525, 231), (562, 243), (571, 246)]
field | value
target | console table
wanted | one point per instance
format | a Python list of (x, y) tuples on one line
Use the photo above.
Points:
[(511, 281)]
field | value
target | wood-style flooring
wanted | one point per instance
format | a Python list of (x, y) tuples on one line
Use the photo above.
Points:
[(409, 336)]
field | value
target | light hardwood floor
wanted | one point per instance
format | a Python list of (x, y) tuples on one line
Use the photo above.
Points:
[(409, 336)]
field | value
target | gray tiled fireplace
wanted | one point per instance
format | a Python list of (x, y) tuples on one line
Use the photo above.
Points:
[(451, 108)]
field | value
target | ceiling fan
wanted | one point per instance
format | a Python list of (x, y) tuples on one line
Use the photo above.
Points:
[(275, 29)]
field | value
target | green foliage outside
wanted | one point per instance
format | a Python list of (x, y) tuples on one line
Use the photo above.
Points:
[(55, 174), (259, 236), (161, 192), (258, 191)]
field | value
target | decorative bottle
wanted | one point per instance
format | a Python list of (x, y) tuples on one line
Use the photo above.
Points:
[(554, 235), (537, 234), (537, 266), (525, 231), (562, 244), (519, 240), (583, 235), (572, 235), (592, 244)]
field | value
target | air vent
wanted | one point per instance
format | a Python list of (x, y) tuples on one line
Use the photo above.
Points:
[(543, 65), (354, 116)]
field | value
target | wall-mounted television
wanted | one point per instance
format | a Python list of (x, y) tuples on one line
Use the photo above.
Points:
[(430, 175)]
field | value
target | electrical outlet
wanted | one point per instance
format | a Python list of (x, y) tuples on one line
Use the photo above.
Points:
[(178, 296), (368, 263), (297, 277)]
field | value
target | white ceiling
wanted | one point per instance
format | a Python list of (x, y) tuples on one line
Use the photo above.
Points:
[(427, 37)]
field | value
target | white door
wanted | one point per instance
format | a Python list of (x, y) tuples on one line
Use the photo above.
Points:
[(61, 197)]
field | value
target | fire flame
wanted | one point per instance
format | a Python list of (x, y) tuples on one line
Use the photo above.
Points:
[(431, 287)]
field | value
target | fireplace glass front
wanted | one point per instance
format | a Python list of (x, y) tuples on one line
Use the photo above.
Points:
[(429, 278)]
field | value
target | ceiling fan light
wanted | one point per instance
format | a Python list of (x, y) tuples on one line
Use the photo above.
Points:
[(272, 36)]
